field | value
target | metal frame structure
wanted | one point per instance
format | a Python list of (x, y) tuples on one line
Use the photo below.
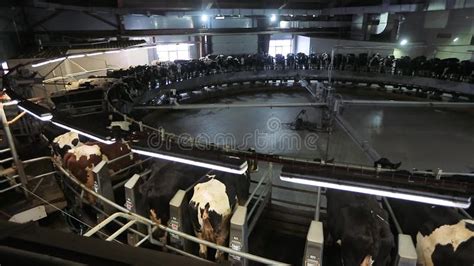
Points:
[(240, 222)]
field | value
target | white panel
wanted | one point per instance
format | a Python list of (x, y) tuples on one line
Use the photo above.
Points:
[(231, 23), (436, 20), (302, 44), (234, 44), (137, 22)]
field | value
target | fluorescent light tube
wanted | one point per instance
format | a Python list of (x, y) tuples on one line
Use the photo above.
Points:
[(40, 64), (382, 193), (76, 56), (112, 52), (84, 133), (192, 162), (57, 59), (45, 117), (93, 54)]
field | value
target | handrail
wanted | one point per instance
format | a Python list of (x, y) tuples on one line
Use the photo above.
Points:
[(162, 227)]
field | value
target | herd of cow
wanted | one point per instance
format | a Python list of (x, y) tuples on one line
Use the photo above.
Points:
[(164, 72), (356, 223)]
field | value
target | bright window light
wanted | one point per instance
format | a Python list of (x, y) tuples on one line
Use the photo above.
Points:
[(171, 52), (404, 42), (5, 67), (273, 18), (204, 18), (283, 47)]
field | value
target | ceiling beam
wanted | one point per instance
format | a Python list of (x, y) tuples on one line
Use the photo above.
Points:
[(101, 19), (182, 9), (45, 19), (197, 32)]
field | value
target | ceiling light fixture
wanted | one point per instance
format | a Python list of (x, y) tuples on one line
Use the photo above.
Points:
[(240, 170), (378, 192)]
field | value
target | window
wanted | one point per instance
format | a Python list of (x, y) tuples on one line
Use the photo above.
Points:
[(5, 68), (171, 52), (280, 47)]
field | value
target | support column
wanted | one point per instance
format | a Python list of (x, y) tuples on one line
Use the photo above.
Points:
[(238, 235), (313, 252), (132, 203), (103, 186)]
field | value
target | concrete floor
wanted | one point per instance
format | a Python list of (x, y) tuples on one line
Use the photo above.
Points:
[(423, 138)]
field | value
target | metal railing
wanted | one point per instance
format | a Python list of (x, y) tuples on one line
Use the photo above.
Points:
[(119, 208)]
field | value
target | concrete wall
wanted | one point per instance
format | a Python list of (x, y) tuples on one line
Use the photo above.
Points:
[(235, 44), (424, 28), (321, 45)]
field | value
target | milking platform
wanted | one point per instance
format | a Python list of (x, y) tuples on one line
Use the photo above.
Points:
[(92, 119)]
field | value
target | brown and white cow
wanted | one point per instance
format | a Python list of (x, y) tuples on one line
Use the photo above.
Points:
[(211, 207), (63, 143), (81, 158)]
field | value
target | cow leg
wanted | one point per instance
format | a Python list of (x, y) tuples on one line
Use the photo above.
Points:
[(156, 220), (90, 185), (202, 248), (221, 240)]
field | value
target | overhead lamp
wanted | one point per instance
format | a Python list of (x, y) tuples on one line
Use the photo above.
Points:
[(76, 56), (273, 18), (94, 54), (204, 18), (456, 39), (219, 17), (48, 62), (85, 134), (40, 64), (39, 112), (57, 59), (233, 165), (112, 52), (404, 194), (403, 42)]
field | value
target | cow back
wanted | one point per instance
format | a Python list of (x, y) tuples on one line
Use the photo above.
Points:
[(115, 150), (361, 225)]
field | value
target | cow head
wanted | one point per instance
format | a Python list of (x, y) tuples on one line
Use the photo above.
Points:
[(63, 143)]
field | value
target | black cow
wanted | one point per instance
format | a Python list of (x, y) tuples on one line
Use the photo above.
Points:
[(443, 236), (211, 207), (163, 183), (386, 163), (361, 227)]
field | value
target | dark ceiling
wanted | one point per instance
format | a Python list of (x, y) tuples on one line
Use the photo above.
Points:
[(206, 4)]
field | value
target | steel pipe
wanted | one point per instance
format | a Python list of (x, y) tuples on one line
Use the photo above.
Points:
[(408, 103), (217, 105)]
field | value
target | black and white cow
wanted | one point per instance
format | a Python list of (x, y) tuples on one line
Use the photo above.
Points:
[(211, 207), (63, 143), (386, 163), (361, 227), (443, 236), (164, 181)]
